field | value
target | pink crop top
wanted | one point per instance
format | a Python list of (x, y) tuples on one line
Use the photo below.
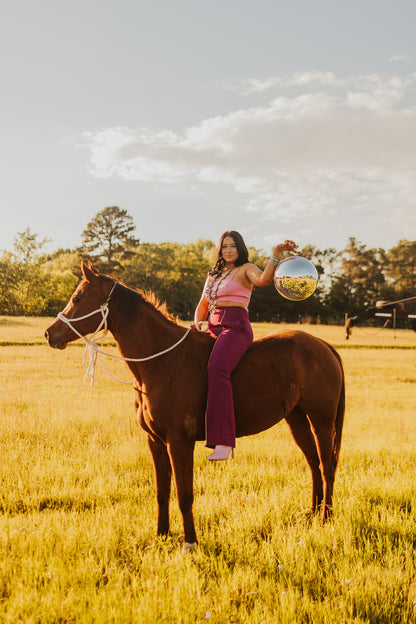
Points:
[(232, 291)]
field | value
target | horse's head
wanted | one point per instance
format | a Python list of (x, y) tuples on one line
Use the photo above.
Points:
[(84, 309)]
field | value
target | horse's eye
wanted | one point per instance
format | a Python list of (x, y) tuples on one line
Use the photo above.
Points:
[(76, 299)]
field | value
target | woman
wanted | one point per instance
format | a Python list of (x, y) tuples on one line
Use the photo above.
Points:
[(225, 301)]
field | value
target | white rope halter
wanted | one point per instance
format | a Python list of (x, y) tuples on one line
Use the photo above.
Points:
[(92, 349)]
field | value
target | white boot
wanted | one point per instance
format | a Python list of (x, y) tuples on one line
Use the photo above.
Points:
[(221, 452)]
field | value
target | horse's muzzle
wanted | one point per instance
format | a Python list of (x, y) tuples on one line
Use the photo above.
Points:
[(54, 340)]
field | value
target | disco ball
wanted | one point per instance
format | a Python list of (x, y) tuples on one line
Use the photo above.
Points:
[(296, 278)]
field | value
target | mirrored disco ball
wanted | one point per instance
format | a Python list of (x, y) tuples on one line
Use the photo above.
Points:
[(296, 278)]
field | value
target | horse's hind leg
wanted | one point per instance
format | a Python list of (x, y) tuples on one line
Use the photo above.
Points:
[(301, 430), (163, 472), (325, 434)]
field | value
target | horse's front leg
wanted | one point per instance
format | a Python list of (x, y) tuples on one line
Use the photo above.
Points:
[(163, 472), (181, 452)]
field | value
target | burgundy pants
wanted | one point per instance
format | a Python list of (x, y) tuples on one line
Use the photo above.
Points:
[(234, 335)]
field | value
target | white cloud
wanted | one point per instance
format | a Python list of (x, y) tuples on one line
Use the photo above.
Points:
[(398, 58), (314, 77), (260, 85), (339, 142), (256, 85)]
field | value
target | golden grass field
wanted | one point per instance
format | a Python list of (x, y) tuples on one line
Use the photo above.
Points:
[(78, 509)]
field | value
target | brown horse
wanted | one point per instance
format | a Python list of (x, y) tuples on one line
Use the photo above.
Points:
[(287, 375), (392, 310)]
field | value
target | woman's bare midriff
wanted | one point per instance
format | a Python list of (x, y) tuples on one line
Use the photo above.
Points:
[(229, 304)]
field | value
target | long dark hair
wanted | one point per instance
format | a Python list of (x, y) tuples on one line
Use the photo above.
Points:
[(241, 249)]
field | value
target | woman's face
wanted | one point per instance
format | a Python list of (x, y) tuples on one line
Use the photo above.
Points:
[(229, 250)]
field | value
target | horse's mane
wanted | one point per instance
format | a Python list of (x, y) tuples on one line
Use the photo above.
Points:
[(129, 298)]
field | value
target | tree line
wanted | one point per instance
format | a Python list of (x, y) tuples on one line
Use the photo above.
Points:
[(36, 283)]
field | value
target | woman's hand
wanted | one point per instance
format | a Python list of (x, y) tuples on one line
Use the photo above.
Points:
[(288, 245), (201, 313), (201, 326)]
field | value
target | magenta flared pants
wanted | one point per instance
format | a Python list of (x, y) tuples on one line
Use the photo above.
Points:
[(234, 335)]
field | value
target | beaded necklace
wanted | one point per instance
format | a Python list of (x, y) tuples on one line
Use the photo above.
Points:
[(212, 289)]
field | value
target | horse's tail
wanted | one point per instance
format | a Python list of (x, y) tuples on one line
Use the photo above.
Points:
[(339, 420)]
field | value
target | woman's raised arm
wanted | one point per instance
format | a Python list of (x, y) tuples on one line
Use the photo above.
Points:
[(263, 278)]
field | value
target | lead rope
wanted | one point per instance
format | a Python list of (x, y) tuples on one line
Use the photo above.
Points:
[(93, 352)]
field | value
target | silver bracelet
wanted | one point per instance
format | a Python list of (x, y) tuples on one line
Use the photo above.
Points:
[(274, 260)]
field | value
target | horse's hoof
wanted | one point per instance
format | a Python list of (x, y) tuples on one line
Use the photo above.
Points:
[(326, 516), (188, 547)]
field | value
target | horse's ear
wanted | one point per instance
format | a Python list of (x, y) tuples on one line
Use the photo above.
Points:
[(93, 269), (88, 271)]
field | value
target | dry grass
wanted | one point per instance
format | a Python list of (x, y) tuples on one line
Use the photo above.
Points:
[(78, 507)]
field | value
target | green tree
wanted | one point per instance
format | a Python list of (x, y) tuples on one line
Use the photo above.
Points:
[(27, 245), (183, 287), (337, 302), (109, 234), (61, 272), (362, 269), (8, 281), (29, 291), (174, 273), (36, 284), (400, 268)]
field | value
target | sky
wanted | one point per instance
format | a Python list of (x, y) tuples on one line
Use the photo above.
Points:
[(277, 119)]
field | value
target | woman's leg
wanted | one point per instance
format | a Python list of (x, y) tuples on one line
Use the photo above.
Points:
[(235, 338)]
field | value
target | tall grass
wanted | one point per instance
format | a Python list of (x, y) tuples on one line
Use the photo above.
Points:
[(78, 510)]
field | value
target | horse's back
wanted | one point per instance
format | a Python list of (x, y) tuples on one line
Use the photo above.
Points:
[(282, 370), (289, 348)]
